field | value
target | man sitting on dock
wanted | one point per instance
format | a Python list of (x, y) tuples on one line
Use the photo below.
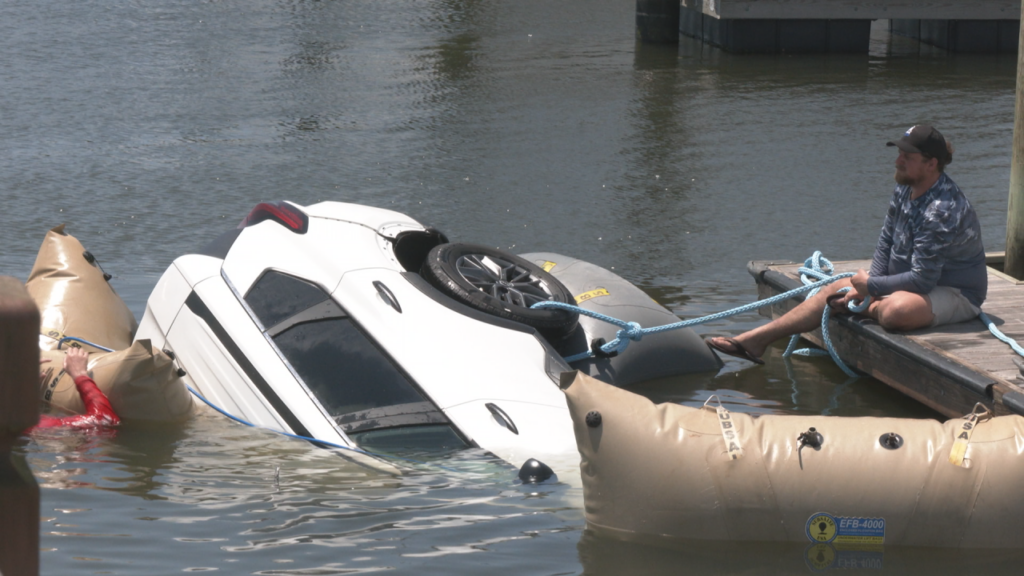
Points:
[(929, 264)]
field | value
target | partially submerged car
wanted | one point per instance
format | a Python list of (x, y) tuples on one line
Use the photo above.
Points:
[(361, 327)]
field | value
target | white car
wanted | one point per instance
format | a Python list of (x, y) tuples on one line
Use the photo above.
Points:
[(359, 326)]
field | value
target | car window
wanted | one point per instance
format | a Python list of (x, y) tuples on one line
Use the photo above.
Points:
[(413, 441), (348, 373), (361, 388), (277, 296)]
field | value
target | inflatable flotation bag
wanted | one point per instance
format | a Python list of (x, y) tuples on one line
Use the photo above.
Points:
[(140, 382), (74, 297), (75, 300), (661, 355), (677, 472)]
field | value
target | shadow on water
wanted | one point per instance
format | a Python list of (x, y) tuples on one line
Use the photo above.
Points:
[(796, 385), (601, 555)]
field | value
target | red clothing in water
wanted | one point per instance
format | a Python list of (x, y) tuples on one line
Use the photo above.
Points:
[(97, 409)]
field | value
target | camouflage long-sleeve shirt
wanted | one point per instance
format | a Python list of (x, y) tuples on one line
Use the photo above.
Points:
[(932, 241)]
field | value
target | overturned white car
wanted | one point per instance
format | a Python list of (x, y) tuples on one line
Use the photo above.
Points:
[(361, 327)]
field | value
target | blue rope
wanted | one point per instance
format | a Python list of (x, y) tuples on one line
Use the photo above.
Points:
[(816, 266), (74, 339), (631, 331), (995, 332)]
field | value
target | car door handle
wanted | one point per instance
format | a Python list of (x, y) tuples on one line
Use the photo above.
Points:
[(502, 418), (387, 295)]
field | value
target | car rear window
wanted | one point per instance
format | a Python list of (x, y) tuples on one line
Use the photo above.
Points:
[(277, 296)]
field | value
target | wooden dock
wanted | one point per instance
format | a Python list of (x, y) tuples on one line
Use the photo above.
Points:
[(948, 368)]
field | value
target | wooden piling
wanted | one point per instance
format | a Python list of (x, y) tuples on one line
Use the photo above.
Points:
[(19, 409), (1014, 264)]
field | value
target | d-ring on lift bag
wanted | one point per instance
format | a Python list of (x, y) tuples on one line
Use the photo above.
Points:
[(663, 472)]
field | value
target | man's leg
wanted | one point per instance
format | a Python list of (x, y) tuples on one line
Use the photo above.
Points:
[(902, 311), (805, 317), (898, 311)]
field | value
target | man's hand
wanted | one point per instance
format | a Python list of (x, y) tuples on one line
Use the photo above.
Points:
[(858, 293), (76, 362), (860, 285)]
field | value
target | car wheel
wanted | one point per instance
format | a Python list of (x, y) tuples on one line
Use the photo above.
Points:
[(499, 283)]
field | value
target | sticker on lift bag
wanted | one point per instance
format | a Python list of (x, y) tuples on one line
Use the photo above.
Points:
[(824, 527)]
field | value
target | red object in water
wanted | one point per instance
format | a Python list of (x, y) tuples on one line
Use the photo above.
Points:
[(98, 412)]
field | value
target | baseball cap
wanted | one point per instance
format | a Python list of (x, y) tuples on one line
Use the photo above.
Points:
[(924, 139)]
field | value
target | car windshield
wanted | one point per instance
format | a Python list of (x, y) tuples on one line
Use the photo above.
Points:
[(355, 381)]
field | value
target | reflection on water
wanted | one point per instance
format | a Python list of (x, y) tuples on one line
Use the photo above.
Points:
[(602, 555), (151, 127), (796, 385)]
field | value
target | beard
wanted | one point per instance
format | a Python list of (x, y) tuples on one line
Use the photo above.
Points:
[(904, 179)]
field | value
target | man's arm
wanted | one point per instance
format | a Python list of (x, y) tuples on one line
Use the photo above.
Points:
[(880, 261), (98, 411), (926, 262), (96, 403)]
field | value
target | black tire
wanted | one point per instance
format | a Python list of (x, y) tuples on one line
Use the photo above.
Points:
[(502, 284)]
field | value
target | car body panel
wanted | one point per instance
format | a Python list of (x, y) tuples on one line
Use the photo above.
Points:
[(322, 255), (543, 431), (195, 268), (368, 216), (172, 287), (450, 356)]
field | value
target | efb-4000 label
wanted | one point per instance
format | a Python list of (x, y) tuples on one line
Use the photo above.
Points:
[(824, 527)]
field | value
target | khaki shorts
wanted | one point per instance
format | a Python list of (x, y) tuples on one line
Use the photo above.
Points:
[(950, 306)]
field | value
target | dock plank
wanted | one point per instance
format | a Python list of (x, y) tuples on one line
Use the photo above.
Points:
[(949, 368)]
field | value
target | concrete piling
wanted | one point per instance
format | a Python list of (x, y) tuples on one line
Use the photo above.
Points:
[(657, 21), (19, 409)]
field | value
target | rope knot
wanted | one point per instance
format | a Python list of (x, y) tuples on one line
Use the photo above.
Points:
[(634, 332)]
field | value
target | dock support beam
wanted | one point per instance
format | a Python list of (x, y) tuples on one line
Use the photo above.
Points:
[(1014, 264), (19, 409), (657, 21), (967, 36), (777, 35)]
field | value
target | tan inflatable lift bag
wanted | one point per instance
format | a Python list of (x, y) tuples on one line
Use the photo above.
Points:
[(141, 383), (74, 298), (668, 471)]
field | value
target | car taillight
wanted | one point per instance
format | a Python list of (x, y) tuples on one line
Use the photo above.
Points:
[(281, 212)]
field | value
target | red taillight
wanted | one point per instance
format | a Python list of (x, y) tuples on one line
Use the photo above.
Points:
[(281, 212)]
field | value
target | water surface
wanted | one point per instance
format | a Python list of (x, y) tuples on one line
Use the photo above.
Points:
[(150, 127)]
